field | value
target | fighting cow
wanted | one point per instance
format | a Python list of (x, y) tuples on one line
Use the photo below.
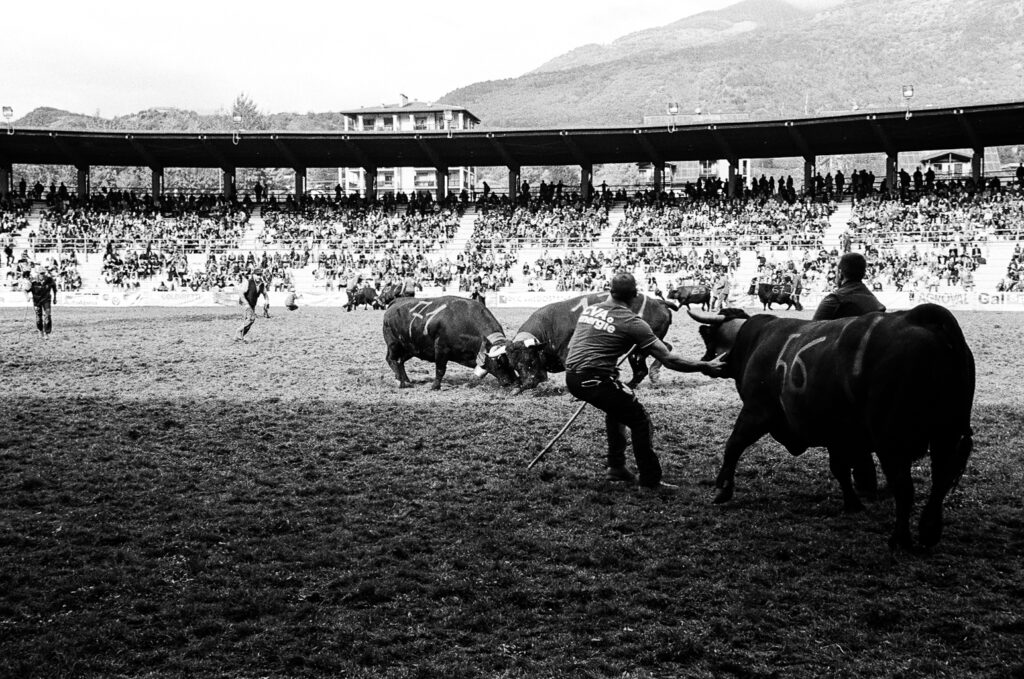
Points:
[(542, 343), (363, 297), (776, 293), (445, 329), (389, 293), (692, 294), (898, 385)]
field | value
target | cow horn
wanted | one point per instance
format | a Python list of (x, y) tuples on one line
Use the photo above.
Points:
[(706, 317)]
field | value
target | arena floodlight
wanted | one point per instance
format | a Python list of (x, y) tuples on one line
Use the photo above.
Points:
[(908, 93), (236, 135), (673, 111), (8, 114)]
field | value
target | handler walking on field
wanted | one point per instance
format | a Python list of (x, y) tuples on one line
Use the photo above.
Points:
[(249, 295), (43, 292), (604, 332)]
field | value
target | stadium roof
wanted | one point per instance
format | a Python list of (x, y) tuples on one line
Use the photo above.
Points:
[(891, 132)]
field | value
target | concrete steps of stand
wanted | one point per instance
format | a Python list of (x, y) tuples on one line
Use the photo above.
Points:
[(457, 244), (837, 223), (997, 257)]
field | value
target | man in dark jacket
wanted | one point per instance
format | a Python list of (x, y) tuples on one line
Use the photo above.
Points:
[(43, 292), (852, 297)]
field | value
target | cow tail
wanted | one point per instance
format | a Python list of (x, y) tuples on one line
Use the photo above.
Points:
[(961, 374)]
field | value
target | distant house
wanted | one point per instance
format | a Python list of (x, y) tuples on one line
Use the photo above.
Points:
[(951, 163), (409, 116)]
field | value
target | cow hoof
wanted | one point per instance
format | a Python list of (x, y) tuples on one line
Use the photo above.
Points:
[(435, 387), (900, 539), (724, 495), (405, 385)]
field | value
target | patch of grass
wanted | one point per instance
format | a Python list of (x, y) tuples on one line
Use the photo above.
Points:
[(281, 509)]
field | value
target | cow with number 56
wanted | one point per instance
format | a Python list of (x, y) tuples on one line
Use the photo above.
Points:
[(445, 329), (899, 385)]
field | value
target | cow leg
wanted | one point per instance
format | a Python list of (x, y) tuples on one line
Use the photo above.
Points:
[(397, 363), (864, 477), (655, 372), (897, 473), (440, 364), (748, 429), (839, 462), (948, 463), (639, 366)]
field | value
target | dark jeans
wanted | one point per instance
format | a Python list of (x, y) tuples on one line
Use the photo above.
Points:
[(44, 320), (622, 409)]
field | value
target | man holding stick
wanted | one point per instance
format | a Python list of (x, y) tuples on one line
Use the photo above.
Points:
[(604, 332)]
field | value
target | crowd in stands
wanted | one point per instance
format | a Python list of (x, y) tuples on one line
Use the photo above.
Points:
[(1014, 280), (923, 234)]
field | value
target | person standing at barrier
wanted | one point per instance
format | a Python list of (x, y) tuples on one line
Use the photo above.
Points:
[(851, 297), (43, 292), (604, 332), (249, 294)]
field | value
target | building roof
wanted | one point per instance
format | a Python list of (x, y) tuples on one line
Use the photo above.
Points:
[(409, 107), (888, 132)]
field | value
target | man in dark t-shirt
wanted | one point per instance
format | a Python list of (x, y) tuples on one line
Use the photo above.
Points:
[(604, 332), (852, 297)]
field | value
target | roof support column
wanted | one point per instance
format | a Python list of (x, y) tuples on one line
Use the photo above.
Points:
[(586, 182), (441, 180), (734, 181), (300, 183), (809, 162), (6, 176), (83, 182), (514, 173), (891, 170), (659, 176), (978, 165), (156, 182), (227, 183), (370, 184)]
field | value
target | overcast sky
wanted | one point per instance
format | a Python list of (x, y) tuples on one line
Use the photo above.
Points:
[(121, 57)]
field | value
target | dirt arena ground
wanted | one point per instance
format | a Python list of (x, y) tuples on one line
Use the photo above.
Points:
[(173, 504)]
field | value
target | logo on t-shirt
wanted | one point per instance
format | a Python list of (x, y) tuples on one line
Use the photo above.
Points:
[(598, 317)]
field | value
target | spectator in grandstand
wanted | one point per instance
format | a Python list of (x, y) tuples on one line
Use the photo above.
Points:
[(43, 292), (852, 297), (248, 296)]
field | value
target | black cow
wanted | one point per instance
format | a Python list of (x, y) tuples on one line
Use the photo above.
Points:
[(390, 293), (363, 297), (445, 329), (778, 293), (692, 294), (542, 343), (899, 385)]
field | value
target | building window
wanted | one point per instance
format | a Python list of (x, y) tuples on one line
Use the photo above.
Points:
[(369, 123), (425, 179), (420, 123), (387, 179), (709, 168)]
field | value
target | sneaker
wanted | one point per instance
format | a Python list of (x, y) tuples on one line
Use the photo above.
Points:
[(619, 474)]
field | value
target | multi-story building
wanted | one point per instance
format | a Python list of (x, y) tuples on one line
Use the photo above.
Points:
[(409, 116)]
